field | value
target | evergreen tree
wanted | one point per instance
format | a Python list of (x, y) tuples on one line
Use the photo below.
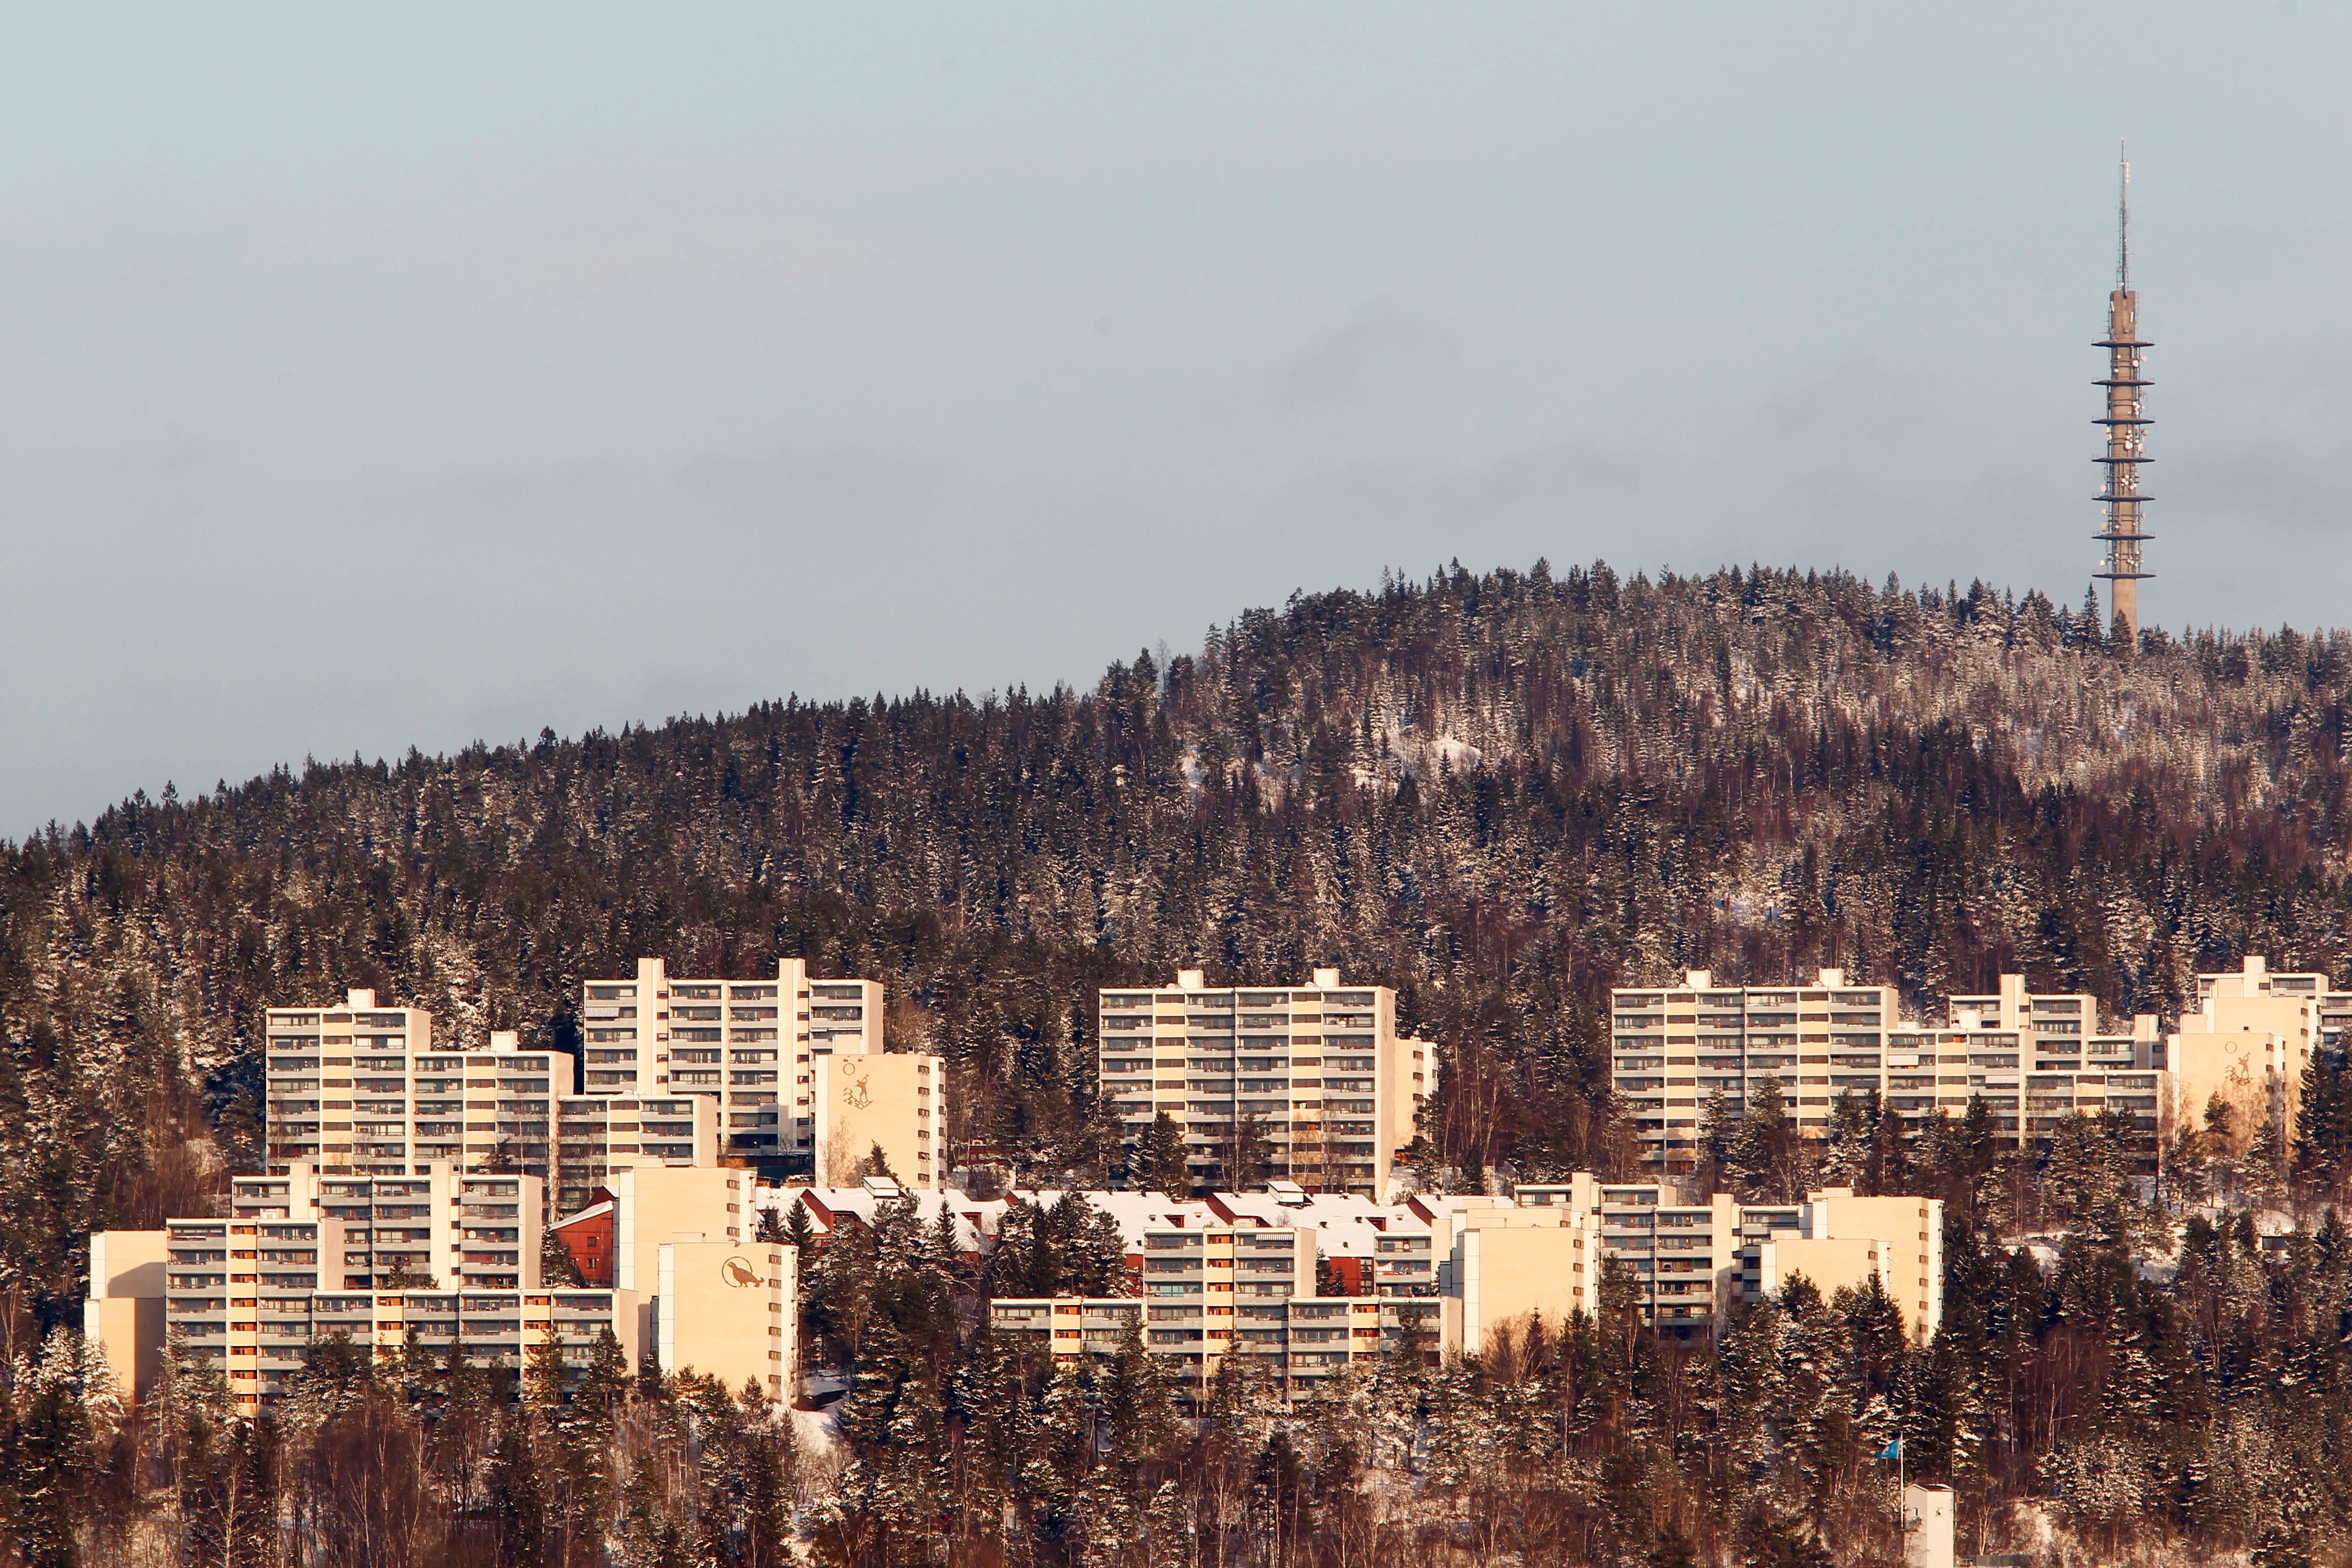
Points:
[(1159, 1162), (1249, 1154), (52, 1462), (800, 1231), (557, 1269), (517, 1506), (2323, 1131)]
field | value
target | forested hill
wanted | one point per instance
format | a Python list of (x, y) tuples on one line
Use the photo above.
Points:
[(1502, 793)]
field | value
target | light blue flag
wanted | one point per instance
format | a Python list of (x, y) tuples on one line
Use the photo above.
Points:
[(1893, 1450)]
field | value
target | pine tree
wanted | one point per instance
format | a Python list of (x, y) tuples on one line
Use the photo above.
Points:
[(52, 1461), (1160, 1158), (557, 1269), (1250, 1153), (2323, 1132), (2264, 1170), (800, 1232), (1849, 1134), (518, 1506)]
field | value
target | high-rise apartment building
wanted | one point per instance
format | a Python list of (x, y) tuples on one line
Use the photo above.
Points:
[(1674, 1047), (2248, 1043), (2032, 1058), (451, 1258), (241, 1298), (597, 1136), (1317, 1070), (1301, 1342), (364, 1089), (748, 1044), (436, 1226), (1226, 1278), (2029, 1080), (1212, 1291), (1688, 1262)]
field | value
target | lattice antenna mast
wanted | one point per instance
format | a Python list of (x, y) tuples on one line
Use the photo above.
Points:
[(2123, 226), (2126, 427)]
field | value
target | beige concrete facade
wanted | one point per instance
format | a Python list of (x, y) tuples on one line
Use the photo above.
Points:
[(1909, 1234), (2246, 1046), (250, 1297), (896, 1102), (2029, 1080), (1320, 1068), (127, 1263), (749, 1045), (1674, 1046), (1516, 1267), (364, 1089), (305, 1255), (1209, 1287), (1928, 1520), (1830, 1264), (434, 1228), (1212, 1291), (727, 1310), (2048, 1024), (1687, 1262), (123, 1315), (411, 1227), (659, 1206)]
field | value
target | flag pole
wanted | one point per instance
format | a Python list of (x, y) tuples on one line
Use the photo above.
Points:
[(1902, 1526)]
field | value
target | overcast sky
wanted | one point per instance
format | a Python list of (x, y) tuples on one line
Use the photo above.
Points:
[(374, 376)]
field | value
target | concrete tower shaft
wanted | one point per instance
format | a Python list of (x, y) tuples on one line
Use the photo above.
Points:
[(2126, 427)]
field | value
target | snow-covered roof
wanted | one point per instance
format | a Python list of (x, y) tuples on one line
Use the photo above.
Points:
[(1136, 1214), (1432, 1206), (1357, 1236), (594, 1211), (975, 1219), (1299, 1207)]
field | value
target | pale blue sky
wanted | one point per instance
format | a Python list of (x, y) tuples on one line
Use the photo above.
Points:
[(372, 376)]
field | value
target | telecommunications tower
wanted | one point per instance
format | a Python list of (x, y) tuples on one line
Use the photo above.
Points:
[(2126, 444)]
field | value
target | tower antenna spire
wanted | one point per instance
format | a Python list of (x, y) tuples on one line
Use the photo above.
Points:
[(2123, 220), (2126, 424)]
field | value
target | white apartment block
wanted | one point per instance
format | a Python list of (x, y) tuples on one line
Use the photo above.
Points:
[(2029, 1080), (1689, 1262), (258, 1332), (747, 1044), (364, 1089), (452, 1259), (2248, 1042), (1672, 1047), (2032, 1058), (1227, 1278), (1212, 1290), (437, 1227), (597, 1136), (1320, 1068), (305, 1254), (1302, 1342)]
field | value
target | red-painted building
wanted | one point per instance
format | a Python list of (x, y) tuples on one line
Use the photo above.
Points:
[(588, 1237)]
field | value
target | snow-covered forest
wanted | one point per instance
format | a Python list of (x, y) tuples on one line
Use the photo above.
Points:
[(1500, 793)]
